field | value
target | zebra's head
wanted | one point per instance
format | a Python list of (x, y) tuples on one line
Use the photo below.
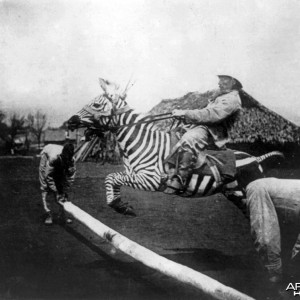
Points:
[(100, 110)]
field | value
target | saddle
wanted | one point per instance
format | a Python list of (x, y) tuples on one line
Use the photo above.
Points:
[(221, 164)]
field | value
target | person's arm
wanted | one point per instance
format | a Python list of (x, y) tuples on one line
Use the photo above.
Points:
[(71, 172), (214, 113), (68, 181)]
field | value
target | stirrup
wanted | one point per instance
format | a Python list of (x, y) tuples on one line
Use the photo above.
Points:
[(174, 185), (175, 182), (170, 191)]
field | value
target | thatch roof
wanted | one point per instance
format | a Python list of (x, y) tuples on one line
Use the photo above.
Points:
[(256, 122)]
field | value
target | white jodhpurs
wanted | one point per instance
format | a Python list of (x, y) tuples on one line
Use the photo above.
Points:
[(268, 200)]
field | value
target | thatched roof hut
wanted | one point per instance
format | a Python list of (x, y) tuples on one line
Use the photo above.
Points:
[(256, 123)]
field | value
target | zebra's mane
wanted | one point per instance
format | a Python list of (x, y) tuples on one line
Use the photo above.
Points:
[(135, 117)]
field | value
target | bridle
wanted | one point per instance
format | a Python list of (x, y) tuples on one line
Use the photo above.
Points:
[(118, 111), (153, 118)]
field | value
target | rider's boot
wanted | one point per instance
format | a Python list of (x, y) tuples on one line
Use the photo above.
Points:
[(186, 163)]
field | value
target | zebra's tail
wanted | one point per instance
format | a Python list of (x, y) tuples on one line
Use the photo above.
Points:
[(261, 158)]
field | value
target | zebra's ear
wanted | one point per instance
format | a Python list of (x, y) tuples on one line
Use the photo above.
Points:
[(103, 84)]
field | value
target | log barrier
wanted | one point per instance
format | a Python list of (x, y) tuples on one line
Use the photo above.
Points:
[(149, 258)]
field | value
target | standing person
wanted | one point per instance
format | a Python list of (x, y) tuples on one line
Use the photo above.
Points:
[(268, 201), (213, 123), (56, 173)]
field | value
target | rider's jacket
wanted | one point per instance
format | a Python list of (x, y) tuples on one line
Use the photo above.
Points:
[(216, 116)]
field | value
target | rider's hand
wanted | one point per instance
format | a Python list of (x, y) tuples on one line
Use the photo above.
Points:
[(178, 113)]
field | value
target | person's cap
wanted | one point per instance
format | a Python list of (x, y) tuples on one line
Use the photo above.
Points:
[(237, 85)]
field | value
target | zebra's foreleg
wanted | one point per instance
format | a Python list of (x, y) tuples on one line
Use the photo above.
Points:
[(113, 182), (113, 188)]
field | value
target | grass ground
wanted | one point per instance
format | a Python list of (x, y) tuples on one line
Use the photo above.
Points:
[(209, 235)]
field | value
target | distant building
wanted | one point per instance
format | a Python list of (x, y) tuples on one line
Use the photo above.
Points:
[(60, 136), (20, 144)]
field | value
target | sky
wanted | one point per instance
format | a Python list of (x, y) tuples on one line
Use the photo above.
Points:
[(53, 51)]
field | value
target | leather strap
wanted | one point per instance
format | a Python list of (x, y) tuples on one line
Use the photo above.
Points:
[(215, 171), (107, 113)]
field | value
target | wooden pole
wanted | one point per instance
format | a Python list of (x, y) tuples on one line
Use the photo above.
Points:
[(78, 154), (86, 150), (90, 148), (179, 272), (79, 147)]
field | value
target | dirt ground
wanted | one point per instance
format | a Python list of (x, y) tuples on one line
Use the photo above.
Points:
[(209, 235)]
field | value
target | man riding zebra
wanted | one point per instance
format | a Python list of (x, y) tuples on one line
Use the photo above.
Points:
[(145, 150), (211, 132)]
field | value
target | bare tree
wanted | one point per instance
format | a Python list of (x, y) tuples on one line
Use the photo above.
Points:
[(37, 123), (16, 125), (3, 127)]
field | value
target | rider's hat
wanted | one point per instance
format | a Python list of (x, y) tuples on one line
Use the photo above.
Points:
[(237, 85)]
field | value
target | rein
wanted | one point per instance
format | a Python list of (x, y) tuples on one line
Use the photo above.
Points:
[(154, 118), (121, 110)]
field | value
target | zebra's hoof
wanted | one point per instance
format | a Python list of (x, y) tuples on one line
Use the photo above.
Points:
[(129, 211), (124, 208)]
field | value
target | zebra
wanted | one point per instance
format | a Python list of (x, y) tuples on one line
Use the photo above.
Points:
[(145, 148)]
